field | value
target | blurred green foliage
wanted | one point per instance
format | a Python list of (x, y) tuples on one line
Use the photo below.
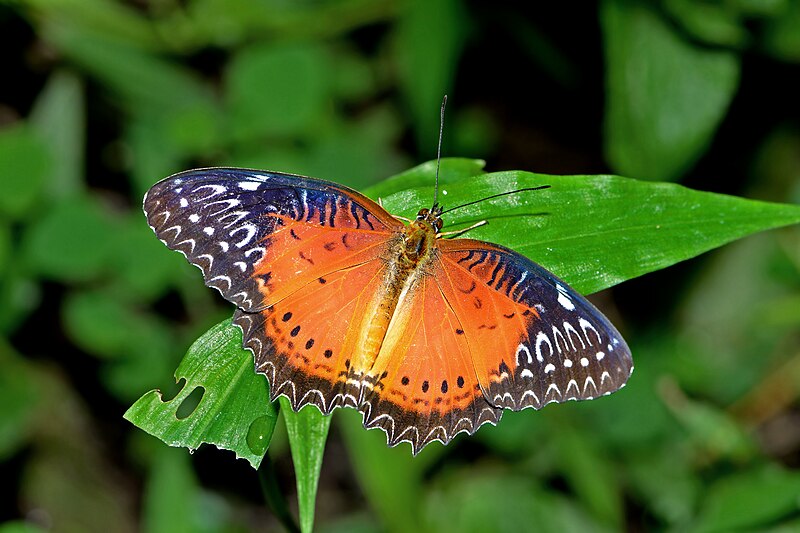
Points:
[(103, 98)]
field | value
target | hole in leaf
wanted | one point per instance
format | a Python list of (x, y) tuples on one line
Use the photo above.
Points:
[(169, 392), (190, 403)]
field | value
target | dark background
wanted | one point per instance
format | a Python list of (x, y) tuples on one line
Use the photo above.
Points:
[(101, 99)]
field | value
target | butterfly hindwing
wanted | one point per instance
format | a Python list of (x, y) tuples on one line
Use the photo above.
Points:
[(305, 343), (537, 341), (426, 386), (258, 236)]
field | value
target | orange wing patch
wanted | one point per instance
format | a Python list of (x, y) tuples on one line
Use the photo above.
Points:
[(298, 253)]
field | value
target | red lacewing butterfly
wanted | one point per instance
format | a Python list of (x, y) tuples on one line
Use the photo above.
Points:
[(342, 304)]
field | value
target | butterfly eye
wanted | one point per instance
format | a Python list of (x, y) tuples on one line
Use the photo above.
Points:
[(439, 224), (423, 213)]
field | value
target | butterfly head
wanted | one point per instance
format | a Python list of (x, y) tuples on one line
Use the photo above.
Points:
[(432, 217)]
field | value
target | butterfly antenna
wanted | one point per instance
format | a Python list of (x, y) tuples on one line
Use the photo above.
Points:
[(539, 188), (439, 152)]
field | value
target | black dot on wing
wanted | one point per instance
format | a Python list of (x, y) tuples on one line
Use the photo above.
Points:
[(425, 386), (328, 353), (460, 382), (405, 380), (323, 281), (309, 344), (459, 332), (295, 331), (286, 317), (444, 387)]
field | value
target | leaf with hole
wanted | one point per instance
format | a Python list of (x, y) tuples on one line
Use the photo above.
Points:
[(232, 409)]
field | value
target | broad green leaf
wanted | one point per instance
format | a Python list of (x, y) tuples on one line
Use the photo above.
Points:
[(72, 241), (308, 431), (719, 24), (136, 347), (754, 498), (665, 96), (452, 170), (391, 478), (20, 527), (25, 163), (431, 35), (59, 117), (590, 473), (234, 412), (147, 83), (781, 35), (277, 90), (113, 20), (597, 231), (171, 493), (478, 501)]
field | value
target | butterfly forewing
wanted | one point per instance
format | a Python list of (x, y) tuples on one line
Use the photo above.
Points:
[(259, 236)]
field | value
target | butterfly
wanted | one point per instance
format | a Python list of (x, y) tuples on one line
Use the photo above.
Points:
[(344, 305)]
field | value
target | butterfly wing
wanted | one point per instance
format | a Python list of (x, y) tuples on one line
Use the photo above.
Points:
[(488, 329), (301, 258), (533, 340), (306, 343), (259, 236), (426, 387)]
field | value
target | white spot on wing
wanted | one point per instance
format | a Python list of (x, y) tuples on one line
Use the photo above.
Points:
[(208, 230), (194, 217), (564, 299), (549, 368), (249, 185), (184, 202)]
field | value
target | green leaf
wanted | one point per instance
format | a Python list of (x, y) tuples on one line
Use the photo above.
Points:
[(781, 38), (59, 117), (665, 96), (391, 478), (24, 164), (597, 231), (478, 501), (171, 493), (452, 170), (20, 527), (590, 474), (160, 87), (277, 90), (234, 412), (308, 431), (73, 241), (430, 39), (749, 499)]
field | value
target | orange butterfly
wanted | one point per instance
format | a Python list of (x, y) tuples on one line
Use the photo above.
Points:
[(344, 305)]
